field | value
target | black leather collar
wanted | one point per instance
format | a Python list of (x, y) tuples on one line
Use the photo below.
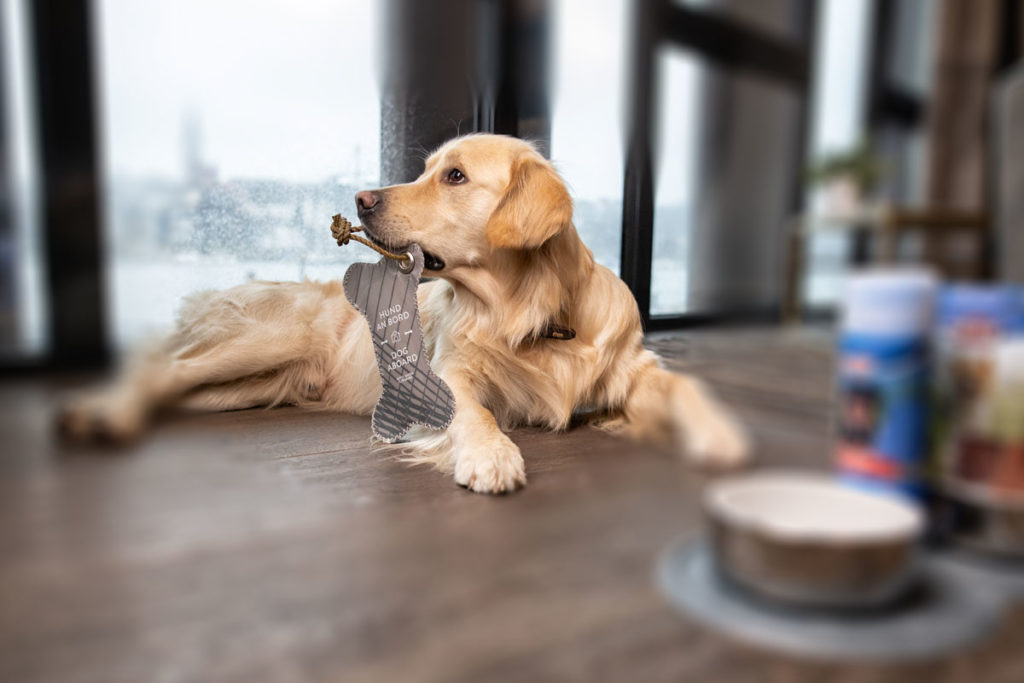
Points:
[(552, 331)]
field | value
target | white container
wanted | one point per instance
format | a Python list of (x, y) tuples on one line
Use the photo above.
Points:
[(890, 302), (883, 362)]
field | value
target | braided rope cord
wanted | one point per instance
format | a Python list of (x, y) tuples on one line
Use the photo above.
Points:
[(342, 229)]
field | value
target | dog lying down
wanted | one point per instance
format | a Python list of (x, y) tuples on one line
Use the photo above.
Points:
[(495, 222)]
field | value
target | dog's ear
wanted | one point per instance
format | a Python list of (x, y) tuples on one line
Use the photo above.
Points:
[(535, 208)]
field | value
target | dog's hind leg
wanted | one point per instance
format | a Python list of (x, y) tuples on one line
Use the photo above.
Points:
[(243, 335), (270, 389), (120, 411)]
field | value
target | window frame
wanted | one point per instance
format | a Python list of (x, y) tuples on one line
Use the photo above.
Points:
[(724, 42), (63, 91)]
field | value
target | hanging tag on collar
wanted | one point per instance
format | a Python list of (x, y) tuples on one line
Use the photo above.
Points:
[(385, 293)]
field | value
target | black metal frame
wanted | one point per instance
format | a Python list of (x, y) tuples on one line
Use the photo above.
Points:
[(1010, 51), (888, 102), (8, 303), (722, 42), (60, 39)]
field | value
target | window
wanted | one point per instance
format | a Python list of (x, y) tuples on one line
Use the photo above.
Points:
[(586, 127), (714, 143), (676, 166), (838, 117), (22, 295), (872, 82), (906, 76), (230, 139)]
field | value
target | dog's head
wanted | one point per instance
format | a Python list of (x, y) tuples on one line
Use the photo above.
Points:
[(478, 195)]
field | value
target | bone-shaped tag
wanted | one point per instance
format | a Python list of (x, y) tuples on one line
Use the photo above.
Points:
[(413, 394)]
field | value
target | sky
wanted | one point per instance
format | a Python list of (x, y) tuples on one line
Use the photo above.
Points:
[(588, 81), (588, 105), (290, 89), (283, 89)]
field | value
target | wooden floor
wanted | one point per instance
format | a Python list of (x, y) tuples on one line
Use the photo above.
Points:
[(275, 546)]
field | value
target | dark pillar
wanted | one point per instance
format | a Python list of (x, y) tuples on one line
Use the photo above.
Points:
[(456, 67), (62, 33), (964, 60), (638, 187), (521, 108)]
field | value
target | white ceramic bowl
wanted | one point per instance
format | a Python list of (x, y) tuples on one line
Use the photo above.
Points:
[(805, 538)]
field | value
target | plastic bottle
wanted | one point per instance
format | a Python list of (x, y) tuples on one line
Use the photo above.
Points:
[(883, 362)]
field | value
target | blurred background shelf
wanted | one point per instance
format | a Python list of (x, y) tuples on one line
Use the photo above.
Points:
[(956, 243)]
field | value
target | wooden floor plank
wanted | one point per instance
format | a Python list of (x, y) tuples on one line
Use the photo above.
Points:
[(277, 545)]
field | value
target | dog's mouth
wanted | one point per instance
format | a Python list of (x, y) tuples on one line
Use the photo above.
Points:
[(430, 261)]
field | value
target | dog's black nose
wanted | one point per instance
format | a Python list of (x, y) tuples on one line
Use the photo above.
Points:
[(366, 200)]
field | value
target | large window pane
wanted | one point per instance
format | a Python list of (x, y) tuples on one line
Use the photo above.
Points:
[(232, 133), (22, 329), (724, 185), (586, 128), (837, 111), (910, 40), (675, 170)]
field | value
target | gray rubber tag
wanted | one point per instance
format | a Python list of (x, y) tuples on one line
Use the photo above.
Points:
[(386, 296)]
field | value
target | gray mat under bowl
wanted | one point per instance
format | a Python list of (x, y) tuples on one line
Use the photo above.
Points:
[(947, 610), (1003, 574)]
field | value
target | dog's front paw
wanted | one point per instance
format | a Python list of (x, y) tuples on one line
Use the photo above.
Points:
[(494, 466), (718, 441), (100, 417)]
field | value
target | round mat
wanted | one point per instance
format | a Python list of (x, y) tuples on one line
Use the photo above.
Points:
[(948, 610), (1003, 574)]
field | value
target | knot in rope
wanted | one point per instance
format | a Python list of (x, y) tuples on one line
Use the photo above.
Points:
[(342, 229)]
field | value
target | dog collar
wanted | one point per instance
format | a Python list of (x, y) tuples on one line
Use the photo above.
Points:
[(552, 331)]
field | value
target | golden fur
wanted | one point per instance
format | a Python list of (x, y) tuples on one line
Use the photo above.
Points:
[(512, 264)]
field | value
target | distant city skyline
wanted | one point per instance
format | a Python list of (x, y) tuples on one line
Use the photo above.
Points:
[(283, 90), (287, 90)]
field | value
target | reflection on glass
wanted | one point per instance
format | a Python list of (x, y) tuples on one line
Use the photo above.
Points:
[(22, 292), (838, 102), (675, 172), (232, 134), (774, 17), (586, 129), (911, 40)]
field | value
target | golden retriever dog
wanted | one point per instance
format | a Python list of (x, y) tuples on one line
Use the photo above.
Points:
[(494, 220)]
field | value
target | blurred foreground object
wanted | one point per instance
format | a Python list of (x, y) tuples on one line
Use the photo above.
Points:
[(1008, 157), (883, 379), (877, 232), (848, 178), (802, 565), (983, 479), (978, 422), (805, 539)]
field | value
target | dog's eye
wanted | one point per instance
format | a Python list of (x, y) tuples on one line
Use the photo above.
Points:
[(455, 177)]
